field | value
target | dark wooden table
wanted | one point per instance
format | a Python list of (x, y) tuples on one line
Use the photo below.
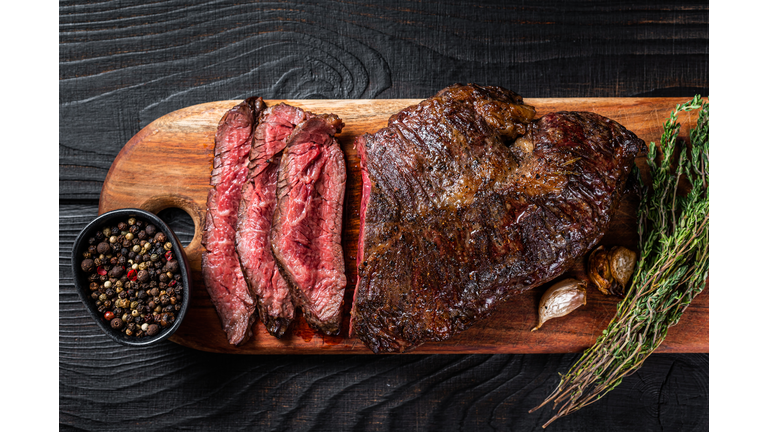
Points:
[(124, 64)]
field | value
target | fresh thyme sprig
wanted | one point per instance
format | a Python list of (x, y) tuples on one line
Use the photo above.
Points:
[(672, 269)]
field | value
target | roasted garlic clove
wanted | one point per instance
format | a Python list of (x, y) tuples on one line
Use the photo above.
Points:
[(561, 299), (599, 269), (611, 270)]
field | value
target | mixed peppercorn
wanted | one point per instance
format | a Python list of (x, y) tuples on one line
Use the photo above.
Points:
[(134, 277)]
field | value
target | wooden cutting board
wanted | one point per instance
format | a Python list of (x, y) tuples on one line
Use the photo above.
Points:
[(168, 164)]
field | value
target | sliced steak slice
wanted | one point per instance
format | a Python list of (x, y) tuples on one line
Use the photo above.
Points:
[(467, 201), (306, 230), (220, 266), (257, 206)]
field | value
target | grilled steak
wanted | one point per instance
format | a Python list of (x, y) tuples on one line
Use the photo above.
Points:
[(467, 201), (220, 266), (254, 221), (306, 229)]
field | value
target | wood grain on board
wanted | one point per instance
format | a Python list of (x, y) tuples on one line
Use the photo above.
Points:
[(168, 164)]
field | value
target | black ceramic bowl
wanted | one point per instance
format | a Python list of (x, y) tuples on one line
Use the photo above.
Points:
[(82, 284)]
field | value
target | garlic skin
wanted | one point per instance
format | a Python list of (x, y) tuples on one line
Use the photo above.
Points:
[(561, 299), (611, 270)]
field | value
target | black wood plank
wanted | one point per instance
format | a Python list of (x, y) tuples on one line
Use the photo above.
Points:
[(124, 64)]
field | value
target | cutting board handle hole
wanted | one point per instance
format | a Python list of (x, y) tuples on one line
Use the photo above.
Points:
[(183, 215), (180, 222)]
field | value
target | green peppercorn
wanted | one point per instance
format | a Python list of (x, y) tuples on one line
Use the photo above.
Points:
[(129, 236), (131, 221), (168, 246)]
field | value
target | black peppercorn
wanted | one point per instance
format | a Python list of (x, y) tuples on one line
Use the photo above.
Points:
[(152, 330), (116, 271), (150, 229), (122, 226), (87, 265), (103, 248), (116, 323), (171, 266), (142, 276), (92, 250)]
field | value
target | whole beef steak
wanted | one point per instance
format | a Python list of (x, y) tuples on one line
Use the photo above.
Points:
[(467, 200), (306, 229), (220, 265)]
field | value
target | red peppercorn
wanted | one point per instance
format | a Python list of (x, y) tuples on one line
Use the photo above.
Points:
[(168, 256), (101, 271), (108, 315), (132, 274), (172, 283)]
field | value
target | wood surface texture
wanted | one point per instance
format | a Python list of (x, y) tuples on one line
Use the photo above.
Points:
[(168, 165), (124, 64)]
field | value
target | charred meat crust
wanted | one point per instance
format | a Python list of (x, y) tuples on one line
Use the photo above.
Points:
[(472, 201)]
